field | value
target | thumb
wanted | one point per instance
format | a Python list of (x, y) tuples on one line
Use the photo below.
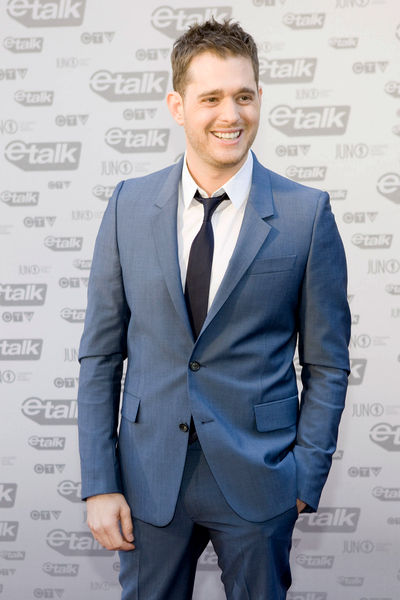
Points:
[(126, 524)]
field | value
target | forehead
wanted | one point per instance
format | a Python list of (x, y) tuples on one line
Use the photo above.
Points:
[(208, 68)]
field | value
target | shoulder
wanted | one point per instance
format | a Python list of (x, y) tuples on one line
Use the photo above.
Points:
[(284, 185), (142, 191), (152, 179), (290, 197)]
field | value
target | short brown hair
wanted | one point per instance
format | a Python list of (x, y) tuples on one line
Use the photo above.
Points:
[(220, 38)]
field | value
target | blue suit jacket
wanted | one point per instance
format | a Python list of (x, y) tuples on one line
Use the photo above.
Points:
[(286, 280)]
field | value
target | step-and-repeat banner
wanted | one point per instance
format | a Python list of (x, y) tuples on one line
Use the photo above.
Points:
[(83, 86)]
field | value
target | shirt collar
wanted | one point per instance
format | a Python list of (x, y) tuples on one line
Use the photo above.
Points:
[(237, 187)]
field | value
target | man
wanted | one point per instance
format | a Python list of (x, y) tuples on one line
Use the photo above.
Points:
[(207, 298)]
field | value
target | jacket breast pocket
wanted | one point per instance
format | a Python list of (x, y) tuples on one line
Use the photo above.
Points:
[(273, 265), (130, 406), (277, 414)]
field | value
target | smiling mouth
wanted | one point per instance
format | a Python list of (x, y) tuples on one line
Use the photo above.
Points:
[(230, 135)]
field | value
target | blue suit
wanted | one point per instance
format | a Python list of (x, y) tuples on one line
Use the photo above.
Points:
[(286, 280)]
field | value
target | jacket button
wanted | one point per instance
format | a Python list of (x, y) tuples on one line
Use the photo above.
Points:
[(194, 365), (184, 427)]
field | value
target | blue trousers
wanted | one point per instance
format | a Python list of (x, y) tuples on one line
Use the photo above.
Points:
[(253, 557)]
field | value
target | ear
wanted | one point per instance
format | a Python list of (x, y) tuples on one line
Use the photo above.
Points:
[(260, 92), (175, 105)]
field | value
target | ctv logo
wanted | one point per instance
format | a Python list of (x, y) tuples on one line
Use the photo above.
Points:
[(129, 86), (332, 519), (42, 13), (174, 21), (75, 543), (310, 120), (44, 156)]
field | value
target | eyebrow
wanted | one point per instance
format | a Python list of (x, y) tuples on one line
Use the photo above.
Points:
[(218, 92)]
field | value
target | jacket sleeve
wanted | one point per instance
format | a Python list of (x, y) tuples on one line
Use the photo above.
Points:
[(101, 354), (324, 333)]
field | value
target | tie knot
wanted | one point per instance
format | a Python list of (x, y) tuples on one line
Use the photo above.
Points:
[(210, 204)]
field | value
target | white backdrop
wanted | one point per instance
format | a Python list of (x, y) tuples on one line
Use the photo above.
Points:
[(83, 87)]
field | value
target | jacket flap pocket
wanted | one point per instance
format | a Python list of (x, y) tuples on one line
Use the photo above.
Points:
[(273, 265), (277, 414), (130, 406)]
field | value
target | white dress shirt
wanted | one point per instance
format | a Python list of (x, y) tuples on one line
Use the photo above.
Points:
[(226, 220)]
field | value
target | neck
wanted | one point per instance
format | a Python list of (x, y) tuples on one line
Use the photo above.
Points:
[(210, 178)]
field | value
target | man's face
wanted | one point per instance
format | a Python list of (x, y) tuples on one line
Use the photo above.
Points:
[(220, 110)]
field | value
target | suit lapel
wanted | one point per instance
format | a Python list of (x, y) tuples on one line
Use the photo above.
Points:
[(253, 233), (165, 237)]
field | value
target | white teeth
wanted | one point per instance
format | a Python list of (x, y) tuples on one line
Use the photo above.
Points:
[(227, 136)]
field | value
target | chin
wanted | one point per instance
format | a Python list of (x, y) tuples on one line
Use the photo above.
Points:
[(230, 160)]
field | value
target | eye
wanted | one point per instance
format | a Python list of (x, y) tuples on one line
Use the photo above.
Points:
[(211, 100), (245, 98)]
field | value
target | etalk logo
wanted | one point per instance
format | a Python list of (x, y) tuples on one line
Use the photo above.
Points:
[(20, 349), (44, 13), (71, 490), (137, 140), (8, 531), (386, 435), (129, 86), (389, 186), (174, 21), (44, 156), (22, 294), (8, 492), (75, 543), (287, 70), (330, 519), (50, 412), (310, 120)]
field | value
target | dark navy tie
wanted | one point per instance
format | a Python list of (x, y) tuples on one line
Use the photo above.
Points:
[(198, 273)]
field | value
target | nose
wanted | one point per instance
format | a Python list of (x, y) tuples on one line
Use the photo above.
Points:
[(230, 111)]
